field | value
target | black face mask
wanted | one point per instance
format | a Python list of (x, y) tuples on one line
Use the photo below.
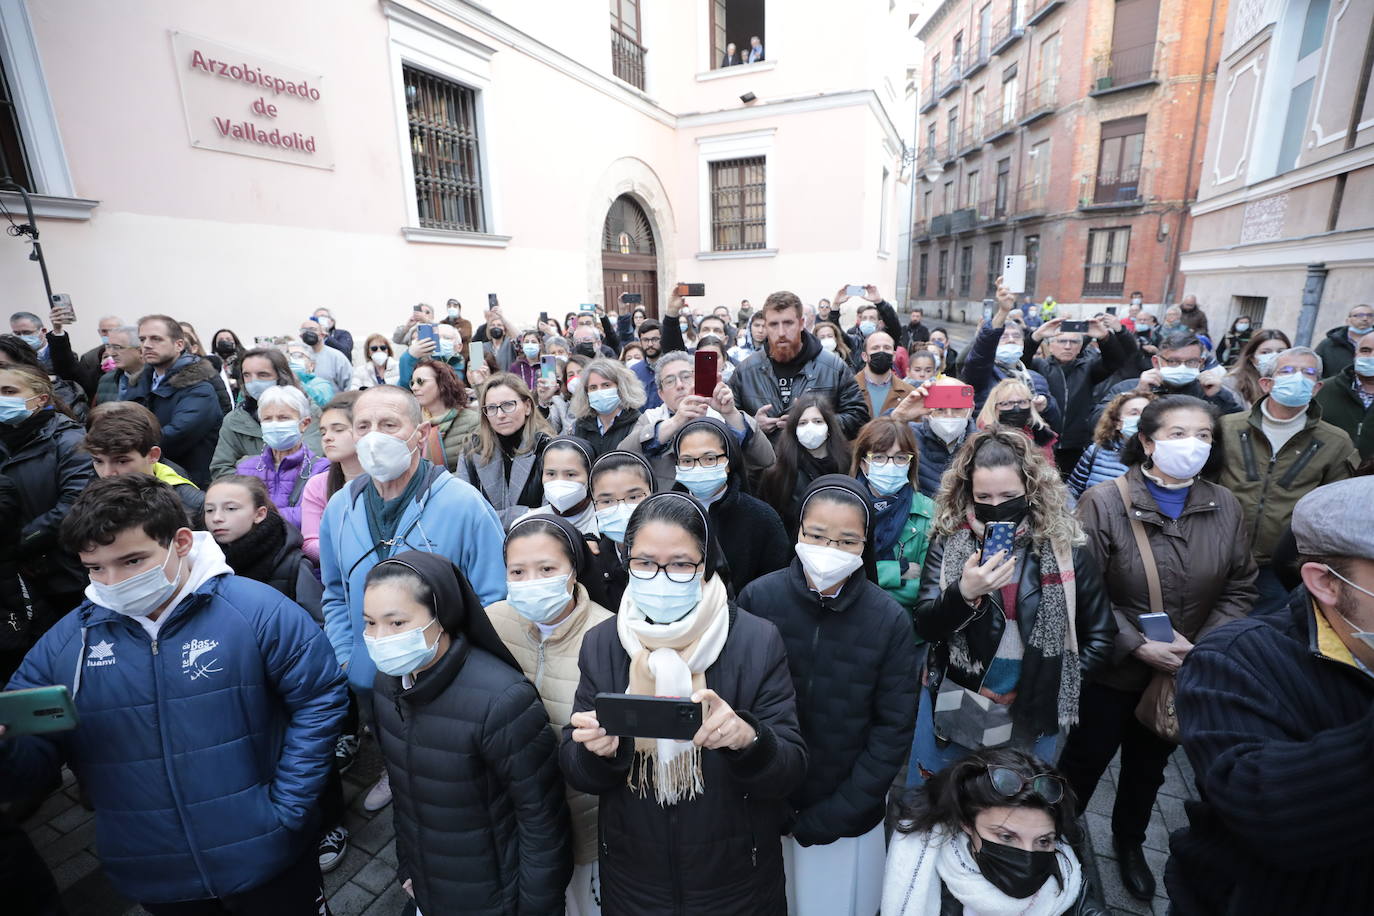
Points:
[(496, 333), (880, 362), (1013, 510), (224, 347), (309, 338), (1016, 872), (586, 349), (1016, 418)]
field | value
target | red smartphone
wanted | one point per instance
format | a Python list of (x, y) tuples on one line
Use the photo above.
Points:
[(707, 372), (949, 396)]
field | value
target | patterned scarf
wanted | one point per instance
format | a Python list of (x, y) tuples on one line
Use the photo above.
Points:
[(1054, 634), (670, 660)]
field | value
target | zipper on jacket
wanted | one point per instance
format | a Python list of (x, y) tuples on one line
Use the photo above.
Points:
[(539, 665), (1251, 471), (815, 641), (1304, 459), (154, 647)]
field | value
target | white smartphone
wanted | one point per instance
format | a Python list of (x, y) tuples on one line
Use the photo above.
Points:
[(1014, 272), (852, 290)]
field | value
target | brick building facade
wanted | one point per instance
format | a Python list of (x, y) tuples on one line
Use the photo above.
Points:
[(1066, 130)]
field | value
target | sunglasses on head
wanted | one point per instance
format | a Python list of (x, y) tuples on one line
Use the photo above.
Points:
[(1006, 781)]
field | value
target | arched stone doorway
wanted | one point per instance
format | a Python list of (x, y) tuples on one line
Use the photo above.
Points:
[(629, 255)]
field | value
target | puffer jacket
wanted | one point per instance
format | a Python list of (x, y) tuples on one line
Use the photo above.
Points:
[(43, 456), (1072, 383), (1336, 351), (1342, 407), (1268, 485), (1095, 465), (240, 436), (936, 455), (719, 853), (285, 482), (271, 554), (853, 665), (481, 824), (551, 665), (755, 383), (456, 433), (204, 752), (1206, 573), (983, 372), (192, 497), (940, 613), (188, 407)]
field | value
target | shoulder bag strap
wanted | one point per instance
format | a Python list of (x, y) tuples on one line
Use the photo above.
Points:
[(1142, 542)]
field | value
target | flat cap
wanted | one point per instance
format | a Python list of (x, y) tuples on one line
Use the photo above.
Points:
[(1337, 520)]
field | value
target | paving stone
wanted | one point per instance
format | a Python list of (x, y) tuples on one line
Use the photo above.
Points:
[(391, 903), (352, 862), (70, 819), (1115, 894), (376, 875), (68, 845), (74, 869), (52, 806), (42, 835), (1171, 809), (388, 853), (373, 835), (350, 900)]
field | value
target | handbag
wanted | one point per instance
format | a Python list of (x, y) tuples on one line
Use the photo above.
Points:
[(1156, 710)]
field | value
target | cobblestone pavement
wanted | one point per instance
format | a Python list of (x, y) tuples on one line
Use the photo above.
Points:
[(364, 885)]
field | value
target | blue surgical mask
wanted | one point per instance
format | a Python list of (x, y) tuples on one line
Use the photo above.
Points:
[(33, 340), (613, 522), (539, 600), (867, 327), (1294, 390), (702, 482), (1264, 362), (1178, 376), (403, 653), (257, 386), (1364, 365), (1129, 426), (298, 368), (282, 435), (445, 348), (1354, 332), (1242, 327), (662, 600), (604, 400), (531, 351), (886, 478), (1008, 354), (14, 409)]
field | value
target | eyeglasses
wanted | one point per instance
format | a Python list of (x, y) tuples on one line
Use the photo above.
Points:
[(610, 502), (492, 410), (822, 541), (1006, 781), (1309, 371), (1175, 363), (1014, 405), (1362, 314), (708, 460), (902, 461), (681, 380), (376, 349), (678, 571), (651, 340)]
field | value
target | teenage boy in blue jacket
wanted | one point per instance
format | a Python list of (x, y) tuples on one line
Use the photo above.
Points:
[(208, 708)]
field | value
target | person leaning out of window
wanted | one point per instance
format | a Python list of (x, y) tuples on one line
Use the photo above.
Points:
[(1198, 544)]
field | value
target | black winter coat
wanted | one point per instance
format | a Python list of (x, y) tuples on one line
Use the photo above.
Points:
[(481, 816), (187, 404), (721, 852), (939, 615), (43, 456), (755, 383), (271, 553), (935, 455), (1072, 383), (1281, 736), (750, 534), (588, 431), (853, 664)]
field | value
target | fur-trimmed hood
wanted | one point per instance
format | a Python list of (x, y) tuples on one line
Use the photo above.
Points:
[(188, 370)]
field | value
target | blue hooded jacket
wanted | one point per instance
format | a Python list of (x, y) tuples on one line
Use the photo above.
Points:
[(204, 752), (448, 517)]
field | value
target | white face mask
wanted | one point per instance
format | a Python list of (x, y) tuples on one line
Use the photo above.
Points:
[(828, 344), (383, 457), (948, 428), (827, 565), (140, 594), (1181, 458), (564, 494), (811, 435), (379, 357), (1363, 636)]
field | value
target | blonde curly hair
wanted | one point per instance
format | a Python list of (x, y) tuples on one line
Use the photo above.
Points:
[(1047, 497)]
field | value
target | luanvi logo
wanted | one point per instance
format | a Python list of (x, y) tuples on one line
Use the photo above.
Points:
[(101, 655), (192, 658)]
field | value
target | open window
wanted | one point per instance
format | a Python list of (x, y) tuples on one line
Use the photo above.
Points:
[(737, 32)]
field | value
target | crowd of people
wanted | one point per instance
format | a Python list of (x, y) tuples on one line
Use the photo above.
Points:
[(920, 598)]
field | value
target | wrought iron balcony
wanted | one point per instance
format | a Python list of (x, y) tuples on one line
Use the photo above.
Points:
[(939, 225), (1031, 199), (1112, 190), (1125, 68), (1039, 9), (990, 211), (1005, 31), (1041, 99), (977, 57), (970, 140), (949, 80), (627, 58), (928, 100), (963, 220), (999, 124)]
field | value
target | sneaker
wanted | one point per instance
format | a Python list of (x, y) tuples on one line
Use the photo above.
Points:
[(345, 752), (333, 848), (379, 796)]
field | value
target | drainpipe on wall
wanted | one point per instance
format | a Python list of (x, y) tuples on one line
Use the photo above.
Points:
[(1311, 300)]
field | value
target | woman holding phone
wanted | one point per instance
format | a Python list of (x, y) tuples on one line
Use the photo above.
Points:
[(543, 620), (1199, 550), (1021, 626), (687, 826)]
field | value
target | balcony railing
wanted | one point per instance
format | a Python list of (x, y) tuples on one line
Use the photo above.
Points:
[(1030, 198), (939, 225), (1041, 99), (928, 99), (990, 212), (920, 228), (1005, 31), (963, 220), (949, 80), (1125, 68), (1108, 190), (1039, 9), (951, 147), (977, 57), (999, 123), (930, 157), (970, 140), (627, 59)]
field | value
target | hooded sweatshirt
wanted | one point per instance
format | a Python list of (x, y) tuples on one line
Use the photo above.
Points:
[(206, 561)]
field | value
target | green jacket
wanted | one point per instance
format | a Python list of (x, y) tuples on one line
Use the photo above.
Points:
[(456, 435), (908, 555), (240, 435), (1342, 407), (1269, 486)]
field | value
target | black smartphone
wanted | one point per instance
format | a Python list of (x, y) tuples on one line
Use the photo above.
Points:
[(707, 372), (998, 536), (631, 716), (1073, 327), (691, 289), (543, 317), (491, 301), (1111, 310), (633, 298)]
